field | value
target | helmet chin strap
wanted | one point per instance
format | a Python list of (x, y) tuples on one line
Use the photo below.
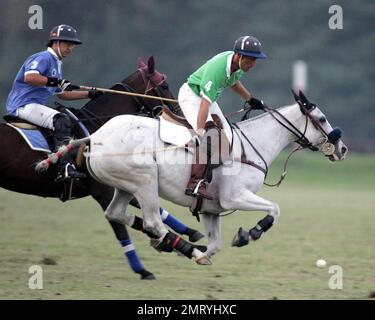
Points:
[(58, 50), (240, 62)]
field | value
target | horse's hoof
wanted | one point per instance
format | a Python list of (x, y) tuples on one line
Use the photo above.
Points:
[(196, 236), (146, 275), (149, 277), (201, 258), (203, 261), (241, 238)]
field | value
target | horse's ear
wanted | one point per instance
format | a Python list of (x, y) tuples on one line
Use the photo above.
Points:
[(151, 65), (141, 64), (304, 100), (295, 95)]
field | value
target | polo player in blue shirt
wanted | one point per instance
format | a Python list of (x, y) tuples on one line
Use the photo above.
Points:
[(39, 78)]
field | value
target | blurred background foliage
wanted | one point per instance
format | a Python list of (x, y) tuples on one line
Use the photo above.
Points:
[(184, 34)]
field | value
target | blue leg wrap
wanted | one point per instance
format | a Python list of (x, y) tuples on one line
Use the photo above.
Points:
[(131, 255), (172, 222)]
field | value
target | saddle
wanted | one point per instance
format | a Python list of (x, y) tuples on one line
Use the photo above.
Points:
[(79, 131), (168, 115), (41, 139), (177, 130), (26, 128)]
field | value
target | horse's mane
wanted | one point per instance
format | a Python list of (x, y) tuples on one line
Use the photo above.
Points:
[(261, 115), (131, 78), (127, 80)]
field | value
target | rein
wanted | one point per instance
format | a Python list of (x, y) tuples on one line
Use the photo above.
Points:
[(301, 140), (137, 97)]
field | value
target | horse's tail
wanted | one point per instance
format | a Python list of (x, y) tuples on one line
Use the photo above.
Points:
[(43, 165)]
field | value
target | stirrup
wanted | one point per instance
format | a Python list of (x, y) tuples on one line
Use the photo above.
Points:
[(66, 175), (196, 189), (198, 193), (193, 192)]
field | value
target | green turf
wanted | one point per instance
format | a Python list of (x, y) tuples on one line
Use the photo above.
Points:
[(327, 211)]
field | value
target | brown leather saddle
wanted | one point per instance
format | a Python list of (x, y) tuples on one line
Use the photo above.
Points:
[(181, 121)]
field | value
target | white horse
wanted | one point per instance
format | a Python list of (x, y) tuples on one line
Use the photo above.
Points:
[(124, 155)]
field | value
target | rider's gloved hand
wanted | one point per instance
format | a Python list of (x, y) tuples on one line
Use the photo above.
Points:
[(63, 84), (256, 104), (93, 93)]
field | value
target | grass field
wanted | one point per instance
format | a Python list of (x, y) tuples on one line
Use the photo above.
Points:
[(327, 211)]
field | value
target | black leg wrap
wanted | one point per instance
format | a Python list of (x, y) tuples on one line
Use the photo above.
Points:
[(167, 243), (266, 223), (194, 235), (185, 248), (200, 248), (171, 241), (262, 226), (255, 233), (138, 225)]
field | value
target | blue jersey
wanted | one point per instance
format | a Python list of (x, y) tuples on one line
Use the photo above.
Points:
[(46, 63)]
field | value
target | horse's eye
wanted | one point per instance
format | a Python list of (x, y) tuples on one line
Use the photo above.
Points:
[(322, 119)]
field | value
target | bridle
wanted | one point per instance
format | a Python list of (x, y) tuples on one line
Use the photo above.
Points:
[(156, 82), (302, 140), (326, 144), (144, 107)]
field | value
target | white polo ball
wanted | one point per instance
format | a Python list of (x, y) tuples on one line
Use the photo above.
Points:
[(321, 263)]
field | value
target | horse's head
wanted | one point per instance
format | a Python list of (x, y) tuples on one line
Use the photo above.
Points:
[(154, 83), (146, 80), (319, 132)]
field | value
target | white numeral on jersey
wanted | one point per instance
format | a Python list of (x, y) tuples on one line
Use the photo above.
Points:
[(208, 85), (34, 64)]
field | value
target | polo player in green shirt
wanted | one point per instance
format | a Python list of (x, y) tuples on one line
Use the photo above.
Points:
[(197, 97)]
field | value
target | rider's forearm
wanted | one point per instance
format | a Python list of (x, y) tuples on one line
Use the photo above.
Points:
[(73, 95), (35, 79), (241, 90), (203, 113)]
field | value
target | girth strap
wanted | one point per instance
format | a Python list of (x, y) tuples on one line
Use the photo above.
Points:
[(252, 163), (243, 153)]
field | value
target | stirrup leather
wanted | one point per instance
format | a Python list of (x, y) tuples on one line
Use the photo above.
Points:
[(196, 189)]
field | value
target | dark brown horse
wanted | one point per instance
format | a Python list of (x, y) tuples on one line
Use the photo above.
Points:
[(17, 172)]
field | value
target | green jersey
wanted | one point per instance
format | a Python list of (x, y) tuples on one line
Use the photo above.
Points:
[(210, 80)]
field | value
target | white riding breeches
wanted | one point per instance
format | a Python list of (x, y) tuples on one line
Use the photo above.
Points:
[(190, 102), (37, 114)]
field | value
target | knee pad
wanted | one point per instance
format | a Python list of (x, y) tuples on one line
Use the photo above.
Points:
[(62, 122)]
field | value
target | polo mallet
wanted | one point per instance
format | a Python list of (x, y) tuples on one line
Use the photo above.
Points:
[(126, 93)]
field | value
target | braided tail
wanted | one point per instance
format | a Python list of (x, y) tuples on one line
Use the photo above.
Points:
[(53, 157)]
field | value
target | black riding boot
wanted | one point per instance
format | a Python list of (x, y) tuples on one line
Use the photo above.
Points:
[(66, 169)]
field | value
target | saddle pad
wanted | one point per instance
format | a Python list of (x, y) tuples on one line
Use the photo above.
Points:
[(173, 133), (33, 138)]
